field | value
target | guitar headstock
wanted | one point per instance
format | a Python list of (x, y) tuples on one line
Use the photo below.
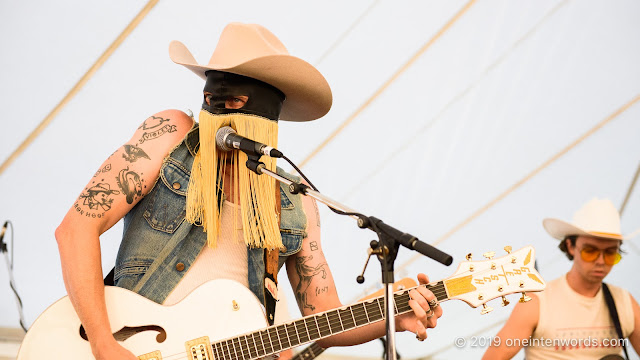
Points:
[(477, 282)]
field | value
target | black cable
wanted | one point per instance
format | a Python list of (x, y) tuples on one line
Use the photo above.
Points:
[(340, 212), (3, 249), (301, 173), (384, 348), (3, 245)]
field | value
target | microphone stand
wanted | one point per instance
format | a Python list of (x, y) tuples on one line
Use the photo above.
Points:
[(386, 248)]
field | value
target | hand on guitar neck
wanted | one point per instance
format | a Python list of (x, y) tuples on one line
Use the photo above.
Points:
[(218, 319), (314, 350)]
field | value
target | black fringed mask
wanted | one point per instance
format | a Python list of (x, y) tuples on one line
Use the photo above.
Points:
[(264, 99)]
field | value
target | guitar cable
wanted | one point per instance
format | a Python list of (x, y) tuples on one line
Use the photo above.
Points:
[(4, 250)]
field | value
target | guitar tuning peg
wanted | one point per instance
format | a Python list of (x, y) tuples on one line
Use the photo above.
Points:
[(508, 249), (505, 302), (486, 309), (469, 256), (489, 255), (524, 298)]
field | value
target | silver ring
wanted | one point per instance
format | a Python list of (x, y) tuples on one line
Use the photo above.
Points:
[(430, 315), (433, 303)]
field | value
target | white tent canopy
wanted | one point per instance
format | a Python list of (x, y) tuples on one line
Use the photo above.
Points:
[(464, 123)]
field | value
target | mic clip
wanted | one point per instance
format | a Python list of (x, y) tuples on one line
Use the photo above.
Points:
[(254, 164), (296, 188)]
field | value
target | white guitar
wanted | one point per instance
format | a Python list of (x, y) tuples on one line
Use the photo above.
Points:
[(224, 320)]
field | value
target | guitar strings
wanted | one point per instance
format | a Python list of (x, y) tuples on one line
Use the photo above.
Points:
[(326, 324), (359, 316), (334, 322)]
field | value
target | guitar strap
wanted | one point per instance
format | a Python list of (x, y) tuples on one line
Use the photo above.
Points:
[(611, 305), (271, 258), (109, 280)]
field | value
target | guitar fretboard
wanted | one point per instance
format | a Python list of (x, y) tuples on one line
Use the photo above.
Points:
[(311, 352), (275, 339)]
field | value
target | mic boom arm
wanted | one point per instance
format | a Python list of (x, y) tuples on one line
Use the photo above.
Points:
[(407, 240)]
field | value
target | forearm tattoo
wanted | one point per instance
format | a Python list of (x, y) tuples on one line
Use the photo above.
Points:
[(306, 274), (322, 290)]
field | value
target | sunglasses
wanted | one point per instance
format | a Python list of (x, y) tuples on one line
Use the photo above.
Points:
[(590, 254)]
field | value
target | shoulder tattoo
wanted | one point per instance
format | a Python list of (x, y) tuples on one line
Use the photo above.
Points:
[(154, 127)]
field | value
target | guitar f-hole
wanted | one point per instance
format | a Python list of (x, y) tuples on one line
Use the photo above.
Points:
[(127, 332)]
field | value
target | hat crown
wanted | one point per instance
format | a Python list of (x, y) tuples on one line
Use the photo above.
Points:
[(598, 216), (244, 42)]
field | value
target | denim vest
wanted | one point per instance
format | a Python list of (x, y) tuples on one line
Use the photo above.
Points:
[(159, 246)]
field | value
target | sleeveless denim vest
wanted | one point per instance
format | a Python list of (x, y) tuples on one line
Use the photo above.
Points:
[(159, 246)]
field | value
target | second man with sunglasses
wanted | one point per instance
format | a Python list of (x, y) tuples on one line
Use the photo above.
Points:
[(571, 319)]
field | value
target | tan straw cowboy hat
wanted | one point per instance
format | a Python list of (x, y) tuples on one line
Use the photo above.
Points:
[(598, 218), (253, 51)]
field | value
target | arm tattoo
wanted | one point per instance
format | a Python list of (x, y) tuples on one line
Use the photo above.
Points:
[(133, 152), (97, 199), (155, 127), (315, 207), (321, 290), (306, 274), (313, 245), (105, 169), (130, 183)]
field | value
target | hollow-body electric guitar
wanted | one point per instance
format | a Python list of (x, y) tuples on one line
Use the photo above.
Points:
[(224, 320)]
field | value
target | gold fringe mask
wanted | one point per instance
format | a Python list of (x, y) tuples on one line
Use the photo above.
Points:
[(255, 193)]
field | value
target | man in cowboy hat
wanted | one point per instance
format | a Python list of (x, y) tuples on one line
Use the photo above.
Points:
[(197, 213), (570, 319)]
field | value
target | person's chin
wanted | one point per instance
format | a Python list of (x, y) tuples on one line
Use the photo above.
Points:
[(599, 274)]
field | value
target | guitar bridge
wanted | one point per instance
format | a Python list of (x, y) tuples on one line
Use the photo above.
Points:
[(156, 355), (199, 349)]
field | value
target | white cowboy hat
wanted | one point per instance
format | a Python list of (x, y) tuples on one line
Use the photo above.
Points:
[(598, 218), (253, 51)]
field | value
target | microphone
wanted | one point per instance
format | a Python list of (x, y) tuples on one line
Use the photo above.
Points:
[(227, 139)]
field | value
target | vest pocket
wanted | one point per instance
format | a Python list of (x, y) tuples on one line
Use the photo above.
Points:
[(292, 241), (166, 208), (285, 202)]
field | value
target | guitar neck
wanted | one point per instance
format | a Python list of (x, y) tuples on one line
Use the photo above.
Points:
[(275, 339), (310, 352)]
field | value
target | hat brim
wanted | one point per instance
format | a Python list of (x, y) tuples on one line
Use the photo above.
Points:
[(308, 95), (560, 229)]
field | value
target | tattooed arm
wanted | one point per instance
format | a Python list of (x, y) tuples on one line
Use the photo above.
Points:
[(121, 181), (315, 290)]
